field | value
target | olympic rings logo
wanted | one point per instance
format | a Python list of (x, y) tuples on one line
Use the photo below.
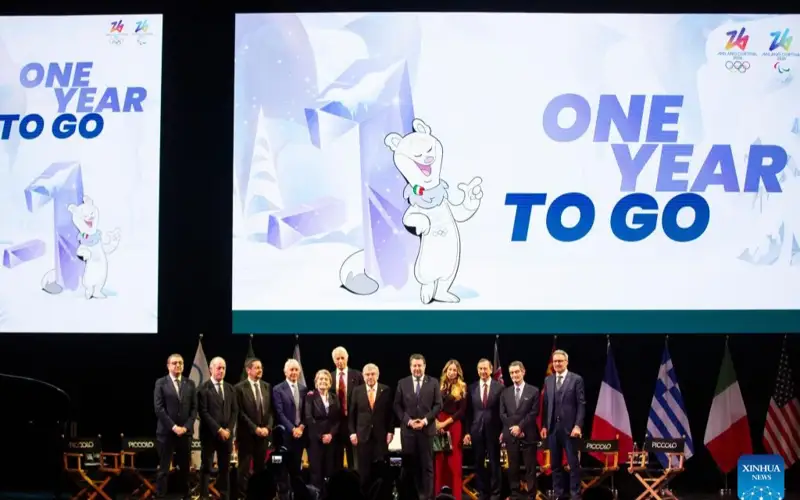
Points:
[(740, 66)]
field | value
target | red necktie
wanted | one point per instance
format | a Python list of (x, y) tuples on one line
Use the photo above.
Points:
[(485, 398), (342, 393)]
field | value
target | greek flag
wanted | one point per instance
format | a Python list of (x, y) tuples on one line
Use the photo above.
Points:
[(667, 412)]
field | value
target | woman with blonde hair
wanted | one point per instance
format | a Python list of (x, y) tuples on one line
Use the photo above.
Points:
[(322, 422), (447, 464)]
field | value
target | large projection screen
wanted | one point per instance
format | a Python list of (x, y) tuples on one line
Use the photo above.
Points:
[(80, 100), (513, 173)]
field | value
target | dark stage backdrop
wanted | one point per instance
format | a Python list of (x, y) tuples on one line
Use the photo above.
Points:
[(110, 378)]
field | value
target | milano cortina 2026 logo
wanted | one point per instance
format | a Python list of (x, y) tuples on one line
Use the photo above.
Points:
[(742, 53)]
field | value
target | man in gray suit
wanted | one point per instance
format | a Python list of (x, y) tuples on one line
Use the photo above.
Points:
[(563, 414)]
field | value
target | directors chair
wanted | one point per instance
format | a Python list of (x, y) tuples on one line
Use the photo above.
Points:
[(131, 448), (234, 463), (656, 479), (88, 467), (544, 468), (469, 473), (596, 476)]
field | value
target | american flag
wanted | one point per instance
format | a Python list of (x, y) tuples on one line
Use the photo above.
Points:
[(782, 430), (498, 368)]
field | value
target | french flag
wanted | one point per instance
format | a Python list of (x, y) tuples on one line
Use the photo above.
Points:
[(611, 420)]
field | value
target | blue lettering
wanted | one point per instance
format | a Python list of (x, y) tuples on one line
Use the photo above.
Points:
[(109, 101), (96, 121), (583, 117), (610, 111), (721, 155), (660, 117), (585, 218), (522, 215), (85, 99), (630, 167), (134, 97), (643, 224), (64, 126), (69, 75), (31, 75), (56, 73), (38, 127), (757, 170), (670, 165), (63, 97), (82, 72), (7, 121), (702, 215)]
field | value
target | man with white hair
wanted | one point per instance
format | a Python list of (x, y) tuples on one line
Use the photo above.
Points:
[(289, 397), (345, 379), (218, 410), (370, 424)]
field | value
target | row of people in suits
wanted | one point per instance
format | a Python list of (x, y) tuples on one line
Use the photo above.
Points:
[(340, 416), (255, 411), (487, 415)]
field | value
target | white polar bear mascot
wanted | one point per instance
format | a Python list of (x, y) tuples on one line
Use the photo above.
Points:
[(94, 246), (433, 215)]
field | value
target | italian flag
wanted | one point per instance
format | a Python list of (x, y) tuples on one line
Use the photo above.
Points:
[(728, 432)]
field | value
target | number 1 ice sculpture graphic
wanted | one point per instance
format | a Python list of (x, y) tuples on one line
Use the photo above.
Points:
[(61, 184)]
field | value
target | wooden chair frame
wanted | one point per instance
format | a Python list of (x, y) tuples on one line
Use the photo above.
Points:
[(91, 488), (596, 476), (655, 480), (146, 488), (593, 477), (472, 494)]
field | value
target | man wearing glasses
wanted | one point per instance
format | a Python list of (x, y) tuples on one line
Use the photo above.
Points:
[(175, 400), (563, 413)]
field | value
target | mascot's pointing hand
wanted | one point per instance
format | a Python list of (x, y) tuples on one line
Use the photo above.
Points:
[(472, 193)]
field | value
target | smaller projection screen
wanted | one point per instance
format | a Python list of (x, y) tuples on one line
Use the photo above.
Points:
[(502, 173), (80, 100)]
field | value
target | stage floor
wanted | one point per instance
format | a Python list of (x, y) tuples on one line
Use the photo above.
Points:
[(49, 496)]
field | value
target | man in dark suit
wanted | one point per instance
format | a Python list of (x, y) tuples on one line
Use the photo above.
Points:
[(289, 397), (370, 425), (417, 402), (345, 380), (483, 426), (254, 425), (175, 401), (519, 407), (217, 406), (564, 410)]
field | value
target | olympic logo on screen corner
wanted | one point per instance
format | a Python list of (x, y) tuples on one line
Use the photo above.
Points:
[(141, 444), (737, 66), (81, 444)]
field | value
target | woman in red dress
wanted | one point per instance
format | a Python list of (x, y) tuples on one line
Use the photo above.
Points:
[(447, 465)]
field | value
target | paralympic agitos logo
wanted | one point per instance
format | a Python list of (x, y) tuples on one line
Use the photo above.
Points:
[(632, 155)]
